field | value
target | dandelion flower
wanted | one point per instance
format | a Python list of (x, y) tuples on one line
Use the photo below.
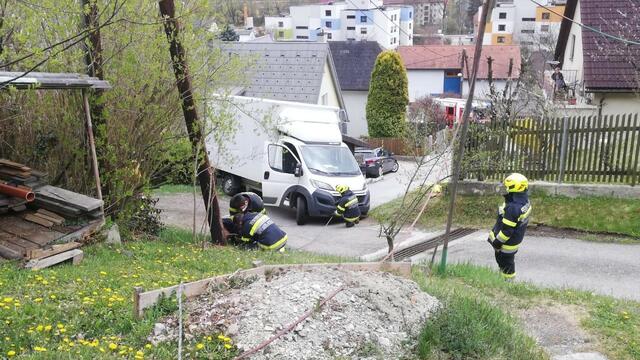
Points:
[(38, 300), (11, 353), (112, 346), (53, 297), (39, 328), (103, 273), (47, 328), (221, 337), (40, 349), (227, 346), (200, 346), (148, 346)]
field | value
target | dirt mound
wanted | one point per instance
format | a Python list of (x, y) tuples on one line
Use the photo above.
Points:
[(372, 317)]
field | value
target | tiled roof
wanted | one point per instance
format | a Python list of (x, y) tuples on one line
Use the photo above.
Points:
[(354, 62), (608, 63), (290, 71), (433, 57)]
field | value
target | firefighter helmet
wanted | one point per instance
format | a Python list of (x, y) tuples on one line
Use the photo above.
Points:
[(516, 183), (342, 188)]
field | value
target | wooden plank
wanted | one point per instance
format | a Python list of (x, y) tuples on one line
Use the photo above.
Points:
[(14, 165), (143, 300), (627, 150), (57, 207), (83, 233), (68, 198), (635, 169), (18, 241), (56, 259), (47, 218), (52, 250), (588, 165), (50, 214), (38, 220), (29, 231), (11, 251)]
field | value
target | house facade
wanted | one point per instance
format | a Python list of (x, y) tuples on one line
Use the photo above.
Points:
[(438, 70), (353, 20), (354, 63), (601, 71), (426, 12)]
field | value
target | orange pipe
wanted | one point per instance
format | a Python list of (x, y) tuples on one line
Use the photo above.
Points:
[(25, 194)]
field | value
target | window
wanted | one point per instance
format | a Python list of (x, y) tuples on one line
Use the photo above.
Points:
[(351, 16), (363, 19), (546, 16), (329, 36), (302, 37), (501, 40), (302, 27), (527, 31), (528, 19), (282, 159), (280, 34), (327, 24), (573, 47), (502, 27), (327, 12), (502, 15), (351, 27), (410, 14), (280, 24), (363, 31), (544, 28)]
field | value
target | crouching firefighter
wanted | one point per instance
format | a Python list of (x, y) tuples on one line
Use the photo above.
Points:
[(258, 230), (513, 218), (242, 203), (347, 206)]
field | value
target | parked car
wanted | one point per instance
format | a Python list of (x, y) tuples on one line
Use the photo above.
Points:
[(376, 162)]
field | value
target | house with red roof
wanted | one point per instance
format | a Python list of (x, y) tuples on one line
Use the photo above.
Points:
[(439, 70), (599, 53)]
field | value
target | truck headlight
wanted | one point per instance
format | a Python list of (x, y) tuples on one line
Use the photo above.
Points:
[(322, 185)]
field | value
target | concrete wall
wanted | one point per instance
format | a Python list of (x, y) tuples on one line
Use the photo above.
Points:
[(425, 83), (568, 190), (618, 103), (356, 105), (482, 88)]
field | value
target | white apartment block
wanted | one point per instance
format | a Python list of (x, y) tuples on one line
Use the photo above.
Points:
[(389, 26), (522, 22)]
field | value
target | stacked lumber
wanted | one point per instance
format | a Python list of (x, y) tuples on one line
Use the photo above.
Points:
[(19, 174), (67, 203), (45, 218)]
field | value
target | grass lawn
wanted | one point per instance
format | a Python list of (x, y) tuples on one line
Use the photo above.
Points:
[(598, 214), (85, 311), (175, 189), (474, 323)]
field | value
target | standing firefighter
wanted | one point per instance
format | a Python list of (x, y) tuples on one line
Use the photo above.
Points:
[(347, 206), (513, 217)]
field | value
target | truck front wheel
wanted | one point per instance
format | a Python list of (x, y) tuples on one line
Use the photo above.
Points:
[(230, 185), (301, 210)]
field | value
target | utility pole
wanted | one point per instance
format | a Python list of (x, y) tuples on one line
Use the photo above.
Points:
[(193, 123), (486, 6)]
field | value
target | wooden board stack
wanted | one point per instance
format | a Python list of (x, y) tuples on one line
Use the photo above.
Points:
[(19, 175)]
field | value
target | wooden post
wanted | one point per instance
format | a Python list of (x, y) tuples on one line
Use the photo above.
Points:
[(465, 128), (193, 123), (563, 148), (137, 312), (92, 146)]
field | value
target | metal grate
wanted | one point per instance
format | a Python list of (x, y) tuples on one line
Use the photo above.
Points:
[(429, 244)]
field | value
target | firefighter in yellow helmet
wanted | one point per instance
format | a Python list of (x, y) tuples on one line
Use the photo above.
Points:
[(513, 217), (347, 206)]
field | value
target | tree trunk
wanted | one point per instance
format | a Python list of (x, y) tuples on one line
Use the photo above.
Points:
[(93, 59), (194, 126)]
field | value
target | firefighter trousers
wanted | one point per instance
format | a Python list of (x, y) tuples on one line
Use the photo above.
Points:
[(506, 263)]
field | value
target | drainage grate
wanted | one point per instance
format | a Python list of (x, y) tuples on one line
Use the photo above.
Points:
[(429, 244)]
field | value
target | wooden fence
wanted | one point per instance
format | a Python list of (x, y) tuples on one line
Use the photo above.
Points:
[(596, 149)]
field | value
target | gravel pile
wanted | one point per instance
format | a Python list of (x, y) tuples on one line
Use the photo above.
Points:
[(372, 318)]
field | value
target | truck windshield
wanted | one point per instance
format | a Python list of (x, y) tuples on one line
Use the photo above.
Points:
[(330, 160)]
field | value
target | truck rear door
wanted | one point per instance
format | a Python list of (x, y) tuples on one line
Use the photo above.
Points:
[(280, 172)]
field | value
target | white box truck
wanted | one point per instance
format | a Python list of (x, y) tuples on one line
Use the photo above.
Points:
[(292, 153)]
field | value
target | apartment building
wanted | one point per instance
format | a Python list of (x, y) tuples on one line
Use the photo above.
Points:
[(426, 12), (353, 20), (522, 22)]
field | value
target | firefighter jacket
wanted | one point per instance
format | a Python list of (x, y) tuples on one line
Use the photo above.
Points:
[(347, 207), (513, 217), (255, 204), (259, 228)]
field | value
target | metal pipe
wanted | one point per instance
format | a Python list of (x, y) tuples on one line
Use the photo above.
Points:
[(21, 193)]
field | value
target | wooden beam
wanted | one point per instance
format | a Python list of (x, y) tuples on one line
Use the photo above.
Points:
[(38, 220), (144, 300), (38, 264), (34, 254)]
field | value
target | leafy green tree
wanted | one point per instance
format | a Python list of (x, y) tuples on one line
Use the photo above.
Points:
[(388, 96), (228, 34)]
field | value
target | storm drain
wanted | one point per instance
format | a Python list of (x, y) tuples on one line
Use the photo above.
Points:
[(429, 244)]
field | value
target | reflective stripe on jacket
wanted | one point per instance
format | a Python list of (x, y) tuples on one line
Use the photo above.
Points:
[(261, 229), (347, 206)]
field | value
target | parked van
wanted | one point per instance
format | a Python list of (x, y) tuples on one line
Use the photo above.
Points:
[(292, 153)]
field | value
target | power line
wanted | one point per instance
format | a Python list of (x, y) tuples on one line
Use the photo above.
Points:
[(372, 20), (613, 37)]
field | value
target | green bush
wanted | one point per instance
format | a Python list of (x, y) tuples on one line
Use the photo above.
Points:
[(469, 328), (178, 166), (388, 96)]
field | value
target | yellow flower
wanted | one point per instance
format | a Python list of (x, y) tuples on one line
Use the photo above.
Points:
[(7, 300), (60, 326), (221, 337), (39, 349), (11, 353), (39, 328), (53, 297), (47, 328), (103, 273), (227, 346), (227, 339), (148, 346), (139, 353), (38, 300), (200, 346), (209, 338), (112, 346)]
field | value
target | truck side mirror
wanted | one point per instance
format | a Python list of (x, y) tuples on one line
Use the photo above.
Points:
[(298, 170)]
